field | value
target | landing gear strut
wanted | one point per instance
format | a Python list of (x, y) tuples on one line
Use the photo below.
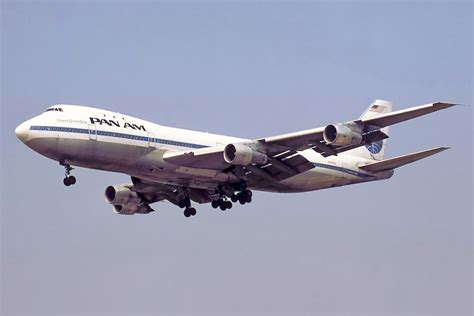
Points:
[(186, 204), (68, 179)]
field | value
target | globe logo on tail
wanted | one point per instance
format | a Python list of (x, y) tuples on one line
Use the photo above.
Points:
[(375, 147)]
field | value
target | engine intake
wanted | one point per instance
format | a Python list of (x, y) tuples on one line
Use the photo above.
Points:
[(341, 135), (242, 155), (121, 195)]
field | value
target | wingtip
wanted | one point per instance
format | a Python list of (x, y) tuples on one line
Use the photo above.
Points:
[(446, 105)]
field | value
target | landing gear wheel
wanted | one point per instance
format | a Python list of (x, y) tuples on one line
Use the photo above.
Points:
[(72, 180), (228, 205), (248, 195), (69, 180), (184, 203), (245, 197), (191, 211), (234, 198), (215, 204)]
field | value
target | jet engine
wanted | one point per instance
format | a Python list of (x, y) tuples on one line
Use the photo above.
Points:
[(242, 155), (342, 135), (125, 201)]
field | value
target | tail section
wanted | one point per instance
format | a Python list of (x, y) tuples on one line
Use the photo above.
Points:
[(375, 150)]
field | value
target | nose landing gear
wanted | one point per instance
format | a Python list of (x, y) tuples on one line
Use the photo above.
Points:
[(68, 179)]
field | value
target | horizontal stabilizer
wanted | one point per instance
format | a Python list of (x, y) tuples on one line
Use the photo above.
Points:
[(401, 160)]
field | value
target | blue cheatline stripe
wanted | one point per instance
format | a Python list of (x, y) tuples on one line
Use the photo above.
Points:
[(345, 170), (114, 134), (171, 142)]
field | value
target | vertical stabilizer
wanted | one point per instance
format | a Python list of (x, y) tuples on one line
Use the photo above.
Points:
[(376, 150)]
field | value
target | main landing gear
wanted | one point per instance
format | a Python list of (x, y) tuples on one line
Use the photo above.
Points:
[(223, 198), (68, 179), (224, 204), (186, 204), (243, 196)]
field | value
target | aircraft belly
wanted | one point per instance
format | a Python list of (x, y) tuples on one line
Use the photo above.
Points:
[(89, 153), (147, 163), (143, 162)]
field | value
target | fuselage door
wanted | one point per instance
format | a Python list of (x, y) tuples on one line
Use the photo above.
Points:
[(92, 132), (151, 140)]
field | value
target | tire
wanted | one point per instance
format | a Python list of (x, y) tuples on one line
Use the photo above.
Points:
[(234, 198), (72, 180), (228, 205), (192, 211), (223, 207), (66, 181), (187, 213), (215, 204)]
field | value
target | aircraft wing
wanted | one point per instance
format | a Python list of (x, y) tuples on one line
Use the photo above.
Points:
[(282, 151), (314, 139), (281, 163), (153, 192), (370, 128), (406, 114)]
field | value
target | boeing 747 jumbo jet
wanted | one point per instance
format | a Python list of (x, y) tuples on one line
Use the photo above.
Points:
[(182, 166)]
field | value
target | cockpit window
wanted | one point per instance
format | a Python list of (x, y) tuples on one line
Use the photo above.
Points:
[(54, 109)]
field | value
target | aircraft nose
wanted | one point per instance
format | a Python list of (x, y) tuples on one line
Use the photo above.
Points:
[(21, 131)]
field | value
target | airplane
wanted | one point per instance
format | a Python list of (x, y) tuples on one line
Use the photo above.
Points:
[(183, 166)]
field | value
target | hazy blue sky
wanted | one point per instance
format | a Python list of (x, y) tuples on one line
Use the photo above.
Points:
[(249, 69)]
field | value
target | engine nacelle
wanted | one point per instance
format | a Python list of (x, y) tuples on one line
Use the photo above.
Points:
[(126, 202), (121, 195), (130, 209), (242, 155), (341, 135)]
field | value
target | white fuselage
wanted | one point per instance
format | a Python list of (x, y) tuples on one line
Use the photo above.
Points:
[(99, 139)]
